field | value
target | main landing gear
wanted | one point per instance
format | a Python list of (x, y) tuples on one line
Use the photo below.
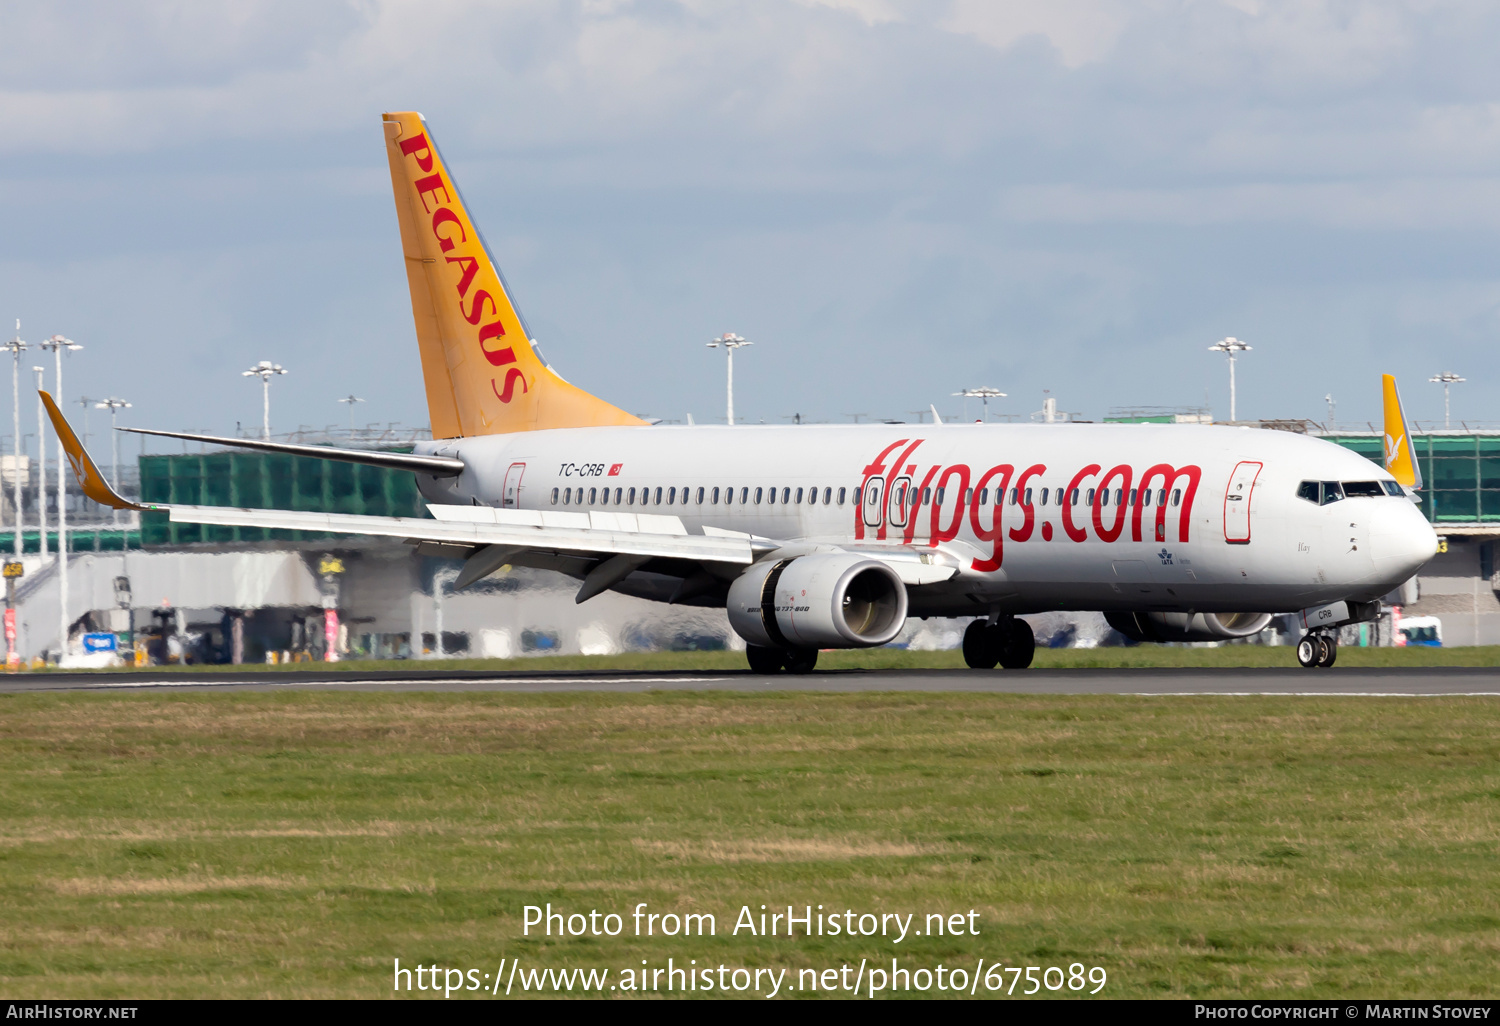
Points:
[(1318, 648), (1009, 643), (774, 660)]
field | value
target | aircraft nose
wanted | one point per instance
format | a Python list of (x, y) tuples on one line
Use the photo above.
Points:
[(1401, 541)]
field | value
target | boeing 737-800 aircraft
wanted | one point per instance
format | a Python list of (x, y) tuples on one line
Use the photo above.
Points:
[(820, 537)]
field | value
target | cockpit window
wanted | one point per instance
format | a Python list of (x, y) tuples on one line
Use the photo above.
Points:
[(1363, 489), (1392, 488), (1322, 492)]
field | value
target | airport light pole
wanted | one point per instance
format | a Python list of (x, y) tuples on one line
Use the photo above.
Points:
[(1230, 346), (265, 370), (1329, 399), (114, 406), (1447, 379), (59, 345), (16, 347), (730, 342), (351, 399), (41, 467), (984, 395)]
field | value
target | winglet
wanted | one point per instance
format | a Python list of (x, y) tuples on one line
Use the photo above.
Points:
[(1400, 459), (89, 479)]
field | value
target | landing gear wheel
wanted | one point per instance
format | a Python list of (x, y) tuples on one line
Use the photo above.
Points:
[(1330, 651), (801, 660), (1309, 650), (1018, 646), (764, 660), (980, 650)]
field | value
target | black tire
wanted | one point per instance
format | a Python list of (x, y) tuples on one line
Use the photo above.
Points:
[(1019, 645), (1329, 652), (1309, 651), (980, 651), (801, 660), (764, 660)]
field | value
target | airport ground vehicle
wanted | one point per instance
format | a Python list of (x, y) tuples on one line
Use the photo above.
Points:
[(1423, 630)]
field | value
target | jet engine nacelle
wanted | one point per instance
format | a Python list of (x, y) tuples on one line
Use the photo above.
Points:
[(826, 600), (1187, 626)]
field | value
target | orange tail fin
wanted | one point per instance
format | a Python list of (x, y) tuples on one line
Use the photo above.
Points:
[(482, 372)]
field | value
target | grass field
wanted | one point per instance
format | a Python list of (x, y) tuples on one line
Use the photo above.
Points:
[(293, 844), (895, 658)]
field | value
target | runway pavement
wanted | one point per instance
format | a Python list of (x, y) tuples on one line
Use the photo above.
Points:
[(1349, 681)]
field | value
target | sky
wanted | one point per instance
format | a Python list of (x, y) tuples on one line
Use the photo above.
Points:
[(894, 201)]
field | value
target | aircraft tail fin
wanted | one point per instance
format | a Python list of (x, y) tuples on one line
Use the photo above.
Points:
[(480, 364), (1400, 458)]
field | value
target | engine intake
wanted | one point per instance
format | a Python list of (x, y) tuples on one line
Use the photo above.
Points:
[(828, 600), (1187, 626)]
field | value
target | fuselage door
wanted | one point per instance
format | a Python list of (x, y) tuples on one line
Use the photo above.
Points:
[(1237, 503), (511, 498), (874, 509)]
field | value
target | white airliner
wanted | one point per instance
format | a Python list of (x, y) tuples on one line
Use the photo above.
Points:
[(819, 537)]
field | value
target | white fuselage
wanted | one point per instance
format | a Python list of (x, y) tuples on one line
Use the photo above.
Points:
[(1233, 535)]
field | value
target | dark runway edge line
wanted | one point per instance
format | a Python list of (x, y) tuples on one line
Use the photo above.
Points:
[(1289, 681)]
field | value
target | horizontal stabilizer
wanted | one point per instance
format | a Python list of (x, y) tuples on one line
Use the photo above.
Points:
[(436, 466)]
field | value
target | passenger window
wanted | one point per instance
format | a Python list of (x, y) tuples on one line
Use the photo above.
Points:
[(771, 499), (554, 496), (1044, 497), (940, 496), (1145, 497), (671, 496), (968, 496), (1393, 489), (812, 496), (1161, 497), (617, 496), (745, 496), (1363, 489), (1177, 496), (984, 496), (1026, 499), (758, 493), (1089, 499), (1104, 497), (1133, 494), (799, 495), (630, 498), (786, 496), (1013, 493), (1331, 492), (841, 495), (700, 495), (714, 496), (1073, 499), (593, 496), (567, 496), (857, 498)]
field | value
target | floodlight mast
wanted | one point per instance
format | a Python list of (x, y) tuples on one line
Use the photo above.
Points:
[(16, 348), (265, 370), (1230, 346), (1447, 379), (983, 394), (730, 342), (58, 344), (351, 399), (41, 466), (114, 406)]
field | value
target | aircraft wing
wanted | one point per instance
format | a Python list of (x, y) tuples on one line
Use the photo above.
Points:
[(479, 527)]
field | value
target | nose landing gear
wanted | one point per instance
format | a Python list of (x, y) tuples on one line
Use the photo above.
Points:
[(1318, 648), (1009, 643)]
